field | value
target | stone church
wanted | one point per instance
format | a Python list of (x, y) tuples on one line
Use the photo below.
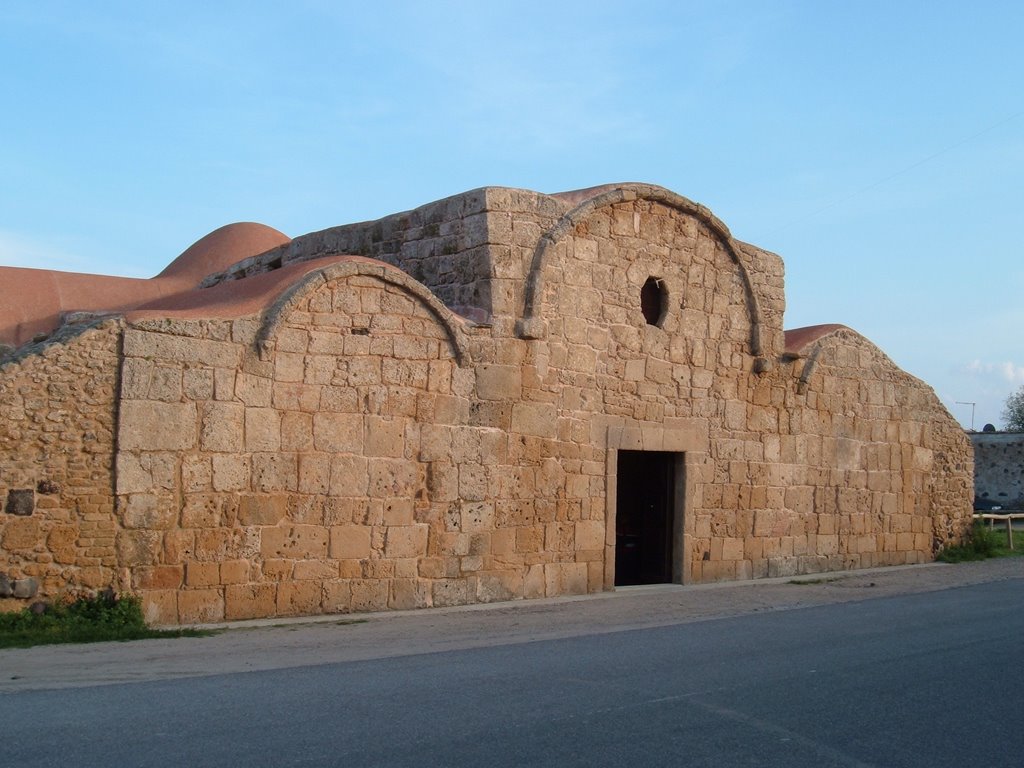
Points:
[(499, 395)]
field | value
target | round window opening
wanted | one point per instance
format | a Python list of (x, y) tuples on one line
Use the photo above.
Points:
[(654, 301)]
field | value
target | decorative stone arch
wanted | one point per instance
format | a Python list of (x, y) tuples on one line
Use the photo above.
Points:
[(278, 312), (532, 324)]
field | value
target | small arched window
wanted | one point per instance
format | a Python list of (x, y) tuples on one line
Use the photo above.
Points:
[(654, 301)]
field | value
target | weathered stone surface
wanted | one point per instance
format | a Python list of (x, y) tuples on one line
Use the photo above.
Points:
[(156, 426)]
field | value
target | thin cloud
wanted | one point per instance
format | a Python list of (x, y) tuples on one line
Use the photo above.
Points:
[(1009, 371), (18, 250), (1013, 373)]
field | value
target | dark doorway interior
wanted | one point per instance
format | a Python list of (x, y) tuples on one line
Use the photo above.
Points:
[(644, 517)]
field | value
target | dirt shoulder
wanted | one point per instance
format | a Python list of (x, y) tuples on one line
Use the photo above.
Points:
[(280, 644)]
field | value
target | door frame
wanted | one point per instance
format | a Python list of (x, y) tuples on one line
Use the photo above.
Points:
[(689, 447)]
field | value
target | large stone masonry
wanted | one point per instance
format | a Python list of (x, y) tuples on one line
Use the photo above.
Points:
[(441, 420)]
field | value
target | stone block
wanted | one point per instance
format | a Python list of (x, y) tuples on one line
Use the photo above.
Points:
[(274, 472), (494, 587), (399, 512), (222, 426), (61, 542), (314, 474), (391, 478), (135, 377), (196, 475), (149, 511), (160, 607), (538, 419), (253, 390), (138, 547), (249, 601), (158, 577), (732, 549), (350, 477), (305, 570), (234, 572), (296, 431), (230, 472), (448, 592), (338, 432), (294, 542), (165, 346), (590, 535), (289, 367), (406, 541), (472, 481), (385, 437), (20, 502), (202, 574), (262, 509), (24, 589), (477, 517), (165, 384), (499, 382), (534, 583), (407, 594), (298, 598), (337, 596), (197, 384), (21, 533), (154, 426), (200, 606), (369, 594), (262, 429)]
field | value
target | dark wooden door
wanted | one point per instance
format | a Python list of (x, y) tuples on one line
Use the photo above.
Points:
[(644, 517)]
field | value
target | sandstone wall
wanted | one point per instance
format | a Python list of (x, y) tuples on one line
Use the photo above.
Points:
[(56, 463), (889, 475)]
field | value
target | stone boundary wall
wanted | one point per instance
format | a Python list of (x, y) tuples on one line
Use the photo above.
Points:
[(999, 468)]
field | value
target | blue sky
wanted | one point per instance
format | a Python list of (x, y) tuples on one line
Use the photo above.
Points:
[(878, 147)]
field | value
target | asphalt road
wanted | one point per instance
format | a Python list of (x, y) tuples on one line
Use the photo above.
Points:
[(928, 678)]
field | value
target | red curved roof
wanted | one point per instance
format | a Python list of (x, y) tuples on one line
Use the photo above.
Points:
[(221, 248), (238, 298), (32, 301), (798, 339)]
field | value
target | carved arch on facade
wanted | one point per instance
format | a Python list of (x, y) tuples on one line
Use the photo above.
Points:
[(532, 324), (452, 324)]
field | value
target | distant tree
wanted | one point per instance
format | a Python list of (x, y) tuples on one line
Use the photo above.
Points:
[(1013, 412)]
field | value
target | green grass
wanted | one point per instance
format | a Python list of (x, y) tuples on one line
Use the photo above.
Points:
[(96, 619), (983, 542), (822, 580)]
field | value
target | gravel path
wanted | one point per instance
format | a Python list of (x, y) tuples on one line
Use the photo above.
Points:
[(279, 644)]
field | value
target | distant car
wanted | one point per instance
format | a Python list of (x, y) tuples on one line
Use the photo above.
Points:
[(986, 505)]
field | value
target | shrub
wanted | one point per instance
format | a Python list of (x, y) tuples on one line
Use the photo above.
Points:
[(980, 543), (89, 619)]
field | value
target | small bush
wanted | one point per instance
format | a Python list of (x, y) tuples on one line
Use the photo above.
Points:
[(980, 543), (85, 620)]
